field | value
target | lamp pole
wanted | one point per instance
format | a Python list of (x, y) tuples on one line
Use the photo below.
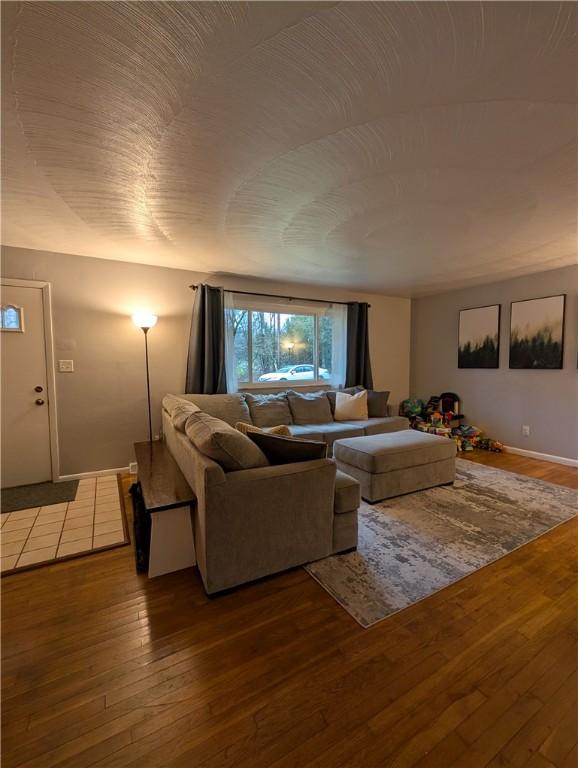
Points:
[(145, 320), (145, 331)]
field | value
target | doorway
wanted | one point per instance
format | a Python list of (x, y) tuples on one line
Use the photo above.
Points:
[(29, 448)]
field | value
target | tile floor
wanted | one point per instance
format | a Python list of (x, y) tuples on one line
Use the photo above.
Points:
[(91, 521)]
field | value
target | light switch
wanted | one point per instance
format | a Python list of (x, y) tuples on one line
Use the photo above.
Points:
[(66, 366)]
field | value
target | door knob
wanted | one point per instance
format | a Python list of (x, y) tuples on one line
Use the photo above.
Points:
[(38, 389), (39, 401)]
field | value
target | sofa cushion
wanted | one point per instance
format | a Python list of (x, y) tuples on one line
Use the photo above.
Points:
[(179, 410), (268, 410), (377, 403), (337, 430), (309, 407), (398, 450), (229, 408), (223, 443), (306, 431), (380, 426), (332, 394), (347, 494), (350, 406), (287, 450), (282, 429)]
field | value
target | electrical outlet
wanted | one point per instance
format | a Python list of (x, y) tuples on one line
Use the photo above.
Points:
[(133, 468), (526, 430)]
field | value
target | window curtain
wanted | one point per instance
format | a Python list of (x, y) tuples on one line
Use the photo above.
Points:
[(358, 362), (337, 313), (230, 363), (206, 372)]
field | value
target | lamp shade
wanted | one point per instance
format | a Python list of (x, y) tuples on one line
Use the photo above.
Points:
[(142, 318)]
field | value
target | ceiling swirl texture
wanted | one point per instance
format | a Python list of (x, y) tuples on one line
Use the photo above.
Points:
[(401, 148)]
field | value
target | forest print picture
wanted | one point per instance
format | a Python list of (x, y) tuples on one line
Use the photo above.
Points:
[(479, 337), (537, 333)]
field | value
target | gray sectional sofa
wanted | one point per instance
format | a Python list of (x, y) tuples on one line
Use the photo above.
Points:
[(254, 522), (296, 411)]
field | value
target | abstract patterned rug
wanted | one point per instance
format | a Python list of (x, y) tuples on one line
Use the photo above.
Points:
[(412, 546)]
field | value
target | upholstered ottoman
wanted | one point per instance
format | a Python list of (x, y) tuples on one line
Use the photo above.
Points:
[(345, 506), (399, 462)]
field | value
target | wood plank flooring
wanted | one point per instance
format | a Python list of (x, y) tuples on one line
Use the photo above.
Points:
[(104, 668)]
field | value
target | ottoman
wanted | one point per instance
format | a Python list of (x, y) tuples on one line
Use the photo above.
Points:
[(396, 463)]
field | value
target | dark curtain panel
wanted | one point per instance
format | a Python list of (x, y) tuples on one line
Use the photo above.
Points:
[(358, 363), (206, 361)]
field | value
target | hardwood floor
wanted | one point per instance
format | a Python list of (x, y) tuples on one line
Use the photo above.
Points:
[(105, 668)]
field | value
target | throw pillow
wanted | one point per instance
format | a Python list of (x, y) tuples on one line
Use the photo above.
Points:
[(269, 410), (282, 429), (351, 407), (332, 394), (376, 403), (286, 450), (179, 410), (309, 407), (222, 443), (230, 408)]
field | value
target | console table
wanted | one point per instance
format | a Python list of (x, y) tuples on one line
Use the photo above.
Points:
[(168, 499)]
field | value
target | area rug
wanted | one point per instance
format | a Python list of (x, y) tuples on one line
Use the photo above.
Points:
[(43, 535), (412, 546), (37, 495)]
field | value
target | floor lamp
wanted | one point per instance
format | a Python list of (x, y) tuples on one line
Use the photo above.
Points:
[(145, 321)]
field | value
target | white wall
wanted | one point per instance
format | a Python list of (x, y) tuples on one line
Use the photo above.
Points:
[(102, 405), (500, 401)]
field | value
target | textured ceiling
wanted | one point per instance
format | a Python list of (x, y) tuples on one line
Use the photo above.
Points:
[(394, 147)]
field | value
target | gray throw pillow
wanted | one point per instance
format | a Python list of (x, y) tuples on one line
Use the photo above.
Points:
[(310, 407), (376, 403), (179, 410), (222, 443), (181, 414), (268, 410), (230, 408), (286, 450)]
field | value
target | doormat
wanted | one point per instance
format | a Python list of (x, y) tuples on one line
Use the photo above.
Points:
[(37, 495)]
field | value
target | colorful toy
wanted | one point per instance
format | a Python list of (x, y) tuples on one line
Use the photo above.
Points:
[(411, 408), (437, 417), (448, 417), (449, 401), (433, 405)]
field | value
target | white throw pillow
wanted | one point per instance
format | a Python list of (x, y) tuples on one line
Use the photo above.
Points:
[(351, 407)]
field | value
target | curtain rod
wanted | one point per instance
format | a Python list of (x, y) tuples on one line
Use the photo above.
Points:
[(278, 296)]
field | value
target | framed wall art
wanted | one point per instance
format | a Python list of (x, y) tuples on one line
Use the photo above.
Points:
[(537, 333), (479, 337)]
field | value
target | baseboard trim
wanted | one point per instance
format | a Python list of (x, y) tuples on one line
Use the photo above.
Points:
[(96, 473), (542, 456)]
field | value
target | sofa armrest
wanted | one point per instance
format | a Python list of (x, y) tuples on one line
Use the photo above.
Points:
[(264, 520)]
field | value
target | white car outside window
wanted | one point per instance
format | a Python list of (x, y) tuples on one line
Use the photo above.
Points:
[(294, 373)]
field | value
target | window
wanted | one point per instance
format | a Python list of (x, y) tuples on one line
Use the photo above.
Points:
[(11, 318), (285, 345)]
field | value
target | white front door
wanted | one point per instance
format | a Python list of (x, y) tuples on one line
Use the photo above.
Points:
[(25, 428)]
